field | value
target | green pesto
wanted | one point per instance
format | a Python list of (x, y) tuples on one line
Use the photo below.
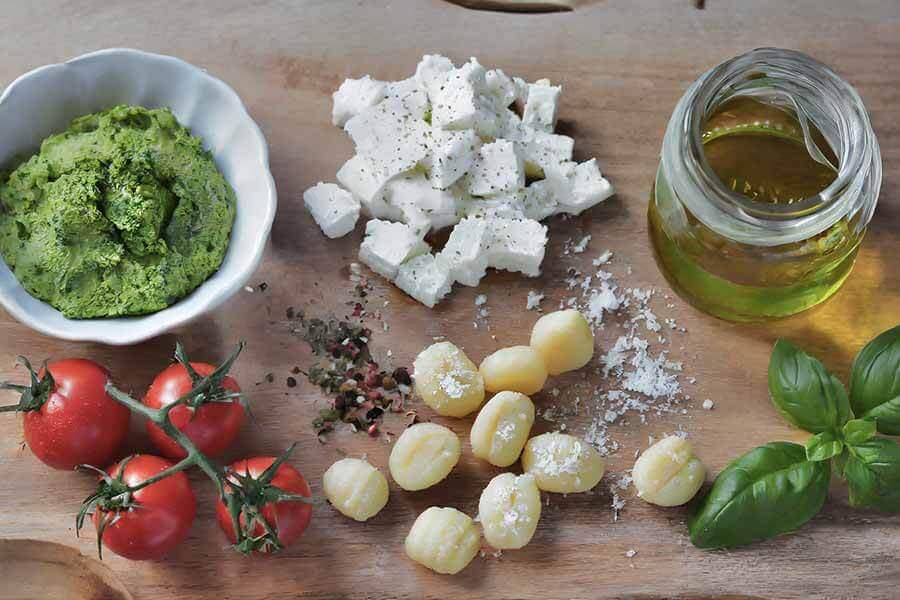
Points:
[(122, 214)]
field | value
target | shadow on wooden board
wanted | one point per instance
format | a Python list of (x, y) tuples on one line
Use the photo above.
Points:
[(539, 6), (520, 6)]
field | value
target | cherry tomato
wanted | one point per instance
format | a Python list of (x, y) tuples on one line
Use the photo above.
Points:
[(72, 420), (288, 518), (163, 515), (212, 426)]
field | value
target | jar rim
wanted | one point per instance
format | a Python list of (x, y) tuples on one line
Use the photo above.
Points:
[(817, 93)]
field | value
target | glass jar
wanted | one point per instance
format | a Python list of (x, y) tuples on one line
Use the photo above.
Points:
[(741, 259)]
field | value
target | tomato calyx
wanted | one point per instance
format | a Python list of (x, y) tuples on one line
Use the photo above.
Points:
[(246, 497), (209, 388), (111, 497), (32, 396)]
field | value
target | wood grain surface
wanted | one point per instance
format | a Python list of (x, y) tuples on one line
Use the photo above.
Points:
[(623, 65)]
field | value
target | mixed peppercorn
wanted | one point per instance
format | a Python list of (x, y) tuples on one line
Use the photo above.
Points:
[(361, 392)]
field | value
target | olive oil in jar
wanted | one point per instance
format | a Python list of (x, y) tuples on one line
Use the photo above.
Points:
[(769, 175), (759, 151)]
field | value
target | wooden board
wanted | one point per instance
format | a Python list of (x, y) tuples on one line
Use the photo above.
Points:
[(623, 66)]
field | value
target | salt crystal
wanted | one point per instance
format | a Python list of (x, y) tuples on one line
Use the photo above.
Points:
[(603, 259), (533, 302), (708, 404), (582, 245)]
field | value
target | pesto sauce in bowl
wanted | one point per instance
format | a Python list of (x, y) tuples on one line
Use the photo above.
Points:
[(123, 214)]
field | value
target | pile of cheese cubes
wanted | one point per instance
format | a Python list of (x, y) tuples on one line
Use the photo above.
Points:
[(448, 148)]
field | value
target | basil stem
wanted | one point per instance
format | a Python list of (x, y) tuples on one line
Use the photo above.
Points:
[(875, 382), (770, 490)]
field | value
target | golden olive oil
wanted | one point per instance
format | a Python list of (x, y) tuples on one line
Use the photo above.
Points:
[(759, 151)]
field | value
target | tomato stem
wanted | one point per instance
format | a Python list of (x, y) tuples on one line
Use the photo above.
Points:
[(32, 396)]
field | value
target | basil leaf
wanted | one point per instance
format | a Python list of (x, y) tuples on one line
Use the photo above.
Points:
[(805, 392), (823, 446), (770, 490), (858, 431), (872, 471), (875, 382)]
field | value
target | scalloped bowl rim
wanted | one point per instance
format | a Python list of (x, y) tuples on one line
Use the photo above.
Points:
[(208, 295)]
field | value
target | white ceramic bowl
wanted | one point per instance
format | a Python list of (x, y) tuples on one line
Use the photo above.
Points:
[(45, 100)]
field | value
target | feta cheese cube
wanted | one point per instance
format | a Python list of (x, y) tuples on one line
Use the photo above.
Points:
[(499, 167), (540, 200), (464, 252), (354, 96), (421, 205), (510, 205), (431, 71), (500, 87), (517, 245), (588, 188), (521, 87), (334, 210), (409, 95), (390, 136), (459, 101), (544, 151), (388, 245), (510, 126), (426, 278), (367, 185), (541, 106), (452, 154)]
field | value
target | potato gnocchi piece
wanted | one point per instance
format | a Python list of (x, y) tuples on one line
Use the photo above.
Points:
[(509, 510), (501, 428), (517, 369), (564, 340), (668, 473), (356, 488), (562, 463), (423, 455), (443, 539), (447, 380)]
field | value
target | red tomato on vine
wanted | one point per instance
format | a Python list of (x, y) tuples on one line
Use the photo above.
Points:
[(276, 511), (138, 514), (211, 418), (69, 419)]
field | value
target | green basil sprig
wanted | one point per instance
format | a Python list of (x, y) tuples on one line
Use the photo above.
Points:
[(770, 490), (777, 487), (875, 382), (805, 392)]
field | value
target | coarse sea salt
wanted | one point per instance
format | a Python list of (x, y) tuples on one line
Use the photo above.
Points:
[(637, 378)]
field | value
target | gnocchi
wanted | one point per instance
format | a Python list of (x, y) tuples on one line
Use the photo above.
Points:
[(668, 473), (423, 455), (517, 369), (447, 380), (509, 510), (564, 340), (356, 488), (562, 463), (443, 539), (501, 428)]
